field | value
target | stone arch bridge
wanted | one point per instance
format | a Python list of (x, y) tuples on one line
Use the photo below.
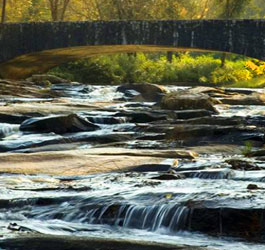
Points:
[(27, 48)]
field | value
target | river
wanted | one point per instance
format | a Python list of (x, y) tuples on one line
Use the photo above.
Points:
[(200, 202)]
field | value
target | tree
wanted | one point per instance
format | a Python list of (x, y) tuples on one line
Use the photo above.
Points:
[(3, 16), (233, 8), (58, 9)]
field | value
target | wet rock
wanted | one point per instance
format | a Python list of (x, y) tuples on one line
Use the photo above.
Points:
[(150, 92), (151, 168), (258, 153), (242, 91), (189, 114), (221, 121), (256, 120), (244, 223), (44, 78), (253, 99), (106, 119), (95, 139), (201, 134), (13, 119), (142, 116), (47, 142), (168, 177), (185, 131), (43, 242), (58, 124), (252, 187), (187, 101), (20, 144), (238, 164)]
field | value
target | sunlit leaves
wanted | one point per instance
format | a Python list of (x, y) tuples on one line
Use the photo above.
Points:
[(257, 67)]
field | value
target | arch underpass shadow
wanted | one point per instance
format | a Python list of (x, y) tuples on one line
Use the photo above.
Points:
[(38, 63)]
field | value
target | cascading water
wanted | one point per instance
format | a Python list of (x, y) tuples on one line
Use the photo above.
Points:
[(151, 218), (7, 129)]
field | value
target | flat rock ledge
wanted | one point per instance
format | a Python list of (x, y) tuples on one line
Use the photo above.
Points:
[(72, 243), (84, 162)]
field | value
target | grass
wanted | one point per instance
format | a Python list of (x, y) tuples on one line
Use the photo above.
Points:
[(257, 82)]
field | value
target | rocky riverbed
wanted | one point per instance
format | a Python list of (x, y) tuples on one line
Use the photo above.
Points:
[(136, 166)]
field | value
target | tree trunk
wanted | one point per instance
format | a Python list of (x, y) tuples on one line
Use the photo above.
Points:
[(223, 58), (3, 17), (65, 5), (169, 56)]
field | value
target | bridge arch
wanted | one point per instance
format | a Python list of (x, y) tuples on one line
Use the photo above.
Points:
[(27, 48)]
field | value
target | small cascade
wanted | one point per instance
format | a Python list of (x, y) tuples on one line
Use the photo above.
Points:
[(152, 218), (171, 217), (213, 174), (7, 129)]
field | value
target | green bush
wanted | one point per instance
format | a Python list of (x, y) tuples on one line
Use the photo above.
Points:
[(155, 68)]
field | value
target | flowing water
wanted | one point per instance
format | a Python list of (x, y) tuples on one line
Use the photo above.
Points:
[(129, 205)]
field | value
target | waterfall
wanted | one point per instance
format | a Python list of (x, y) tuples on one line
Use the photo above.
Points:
[(152, 218)]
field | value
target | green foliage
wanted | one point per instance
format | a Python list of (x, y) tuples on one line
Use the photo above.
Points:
[(247, 149), (155, 68)]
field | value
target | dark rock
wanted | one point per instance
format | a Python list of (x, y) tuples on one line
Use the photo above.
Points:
[(235, 91), (142, 116), (201, 134), (185, 131), (46, 141), (238, 164), (168, 177), (252, 187), (151, 168), (258, 153), (58, 124), (244, 223), (6, 146), (42, 242), (189, 114), (13, 119), (221, 121), (106, 120), (150, 92)]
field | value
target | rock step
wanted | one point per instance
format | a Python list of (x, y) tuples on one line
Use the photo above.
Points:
[(82, 243)]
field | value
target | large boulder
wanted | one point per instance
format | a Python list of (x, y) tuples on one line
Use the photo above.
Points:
[(150, 92), (58, 124), (187, 101)]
